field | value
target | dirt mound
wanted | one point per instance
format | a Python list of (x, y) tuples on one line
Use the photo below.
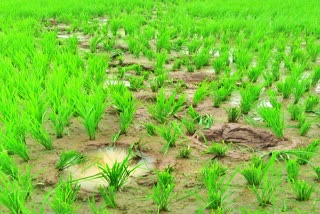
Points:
[(238, 133)]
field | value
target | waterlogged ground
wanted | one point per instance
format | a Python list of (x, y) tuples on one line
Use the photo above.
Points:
[(249, 137)]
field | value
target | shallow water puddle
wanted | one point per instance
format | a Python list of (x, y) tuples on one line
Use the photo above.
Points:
[(108, 155)]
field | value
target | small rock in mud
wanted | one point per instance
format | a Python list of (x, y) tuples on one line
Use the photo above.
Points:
[(238, 133)]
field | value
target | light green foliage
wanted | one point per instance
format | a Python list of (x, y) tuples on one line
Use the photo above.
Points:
[(170, 133), (234, 114), (303, 190), (293, 169), (218, 149), (274, 119), (201, 92), (249, 95), (69, 158)]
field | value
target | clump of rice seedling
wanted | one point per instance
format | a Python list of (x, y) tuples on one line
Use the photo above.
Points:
[(185, 152), (274, 119), (189, 125), (158, 82), (41, 134), (69, 158), (170, 132), (273, 99), (304, 127), (303, 190), (216, 186), (298, 91), (126, 117), (234, 114), (151, 129), (216, 166), (249, 94), (206, 121), (202, 58), (295, 111), (136, 83), (266, 191), (305, 154), (293, 169), (242, 58), (193, 114), (60, 116), (109, 196), (165, 107), (315, 76), (219, 95), (254, 73), (161, 192), (117, 175), (285, 87), (64, 196), (7, 166), (316, 169), (93, 207), (12, 195), (311, 102), (200, 93), (91, 107), (218, 149)]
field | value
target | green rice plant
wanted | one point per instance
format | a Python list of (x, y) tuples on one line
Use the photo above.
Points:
[(206, 121), (303, 190), (91, 108), (193, 114), (220, 95), (135, 83), (274, 119), (151, 129), (25, 181), (216, 167), (266, 191), (60, 117), (311, 102), (295, 111), (316, 169), (258, 162), (122, 98), (219, 65), (275, 70), (273, 99), (12, 195), (117, 175), (170, 133), (253, 174), (165, 107), (216, 186), (185, 152), (293, 168), (109, 196), (200, 93), (41, 134), (7, 166), (285, 87), (64, 196), (70, 158), (242, 58), (315, 76), (218, 149), (162, 191), (234, 114), (189, 125), (202, 58), (268, 78), (298, 91), (94, 42), (305, 154), (304, 128), (249, 94), (254, 73), (313, 50), (94, 208)]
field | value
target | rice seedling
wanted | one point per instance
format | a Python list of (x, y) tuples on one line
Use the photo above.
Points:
[(295, 111), (64, 196), (189, 125), (216, 186), (158, 82), (285, 87), (242, 58), (249, 94), (109, 196), (316, 169), (219, 65), (305, 154), (200, 93), (164, 107), (298, 91), (91, 108), (7, 166), (170, 133), (40, 133), (274, 119), (12, 195), (60, 117), (202, 58), (136, 83), (293, 168), (234, 114), (315, 76), (303, 190), (206, 121), (126, 118), (273, 99), (220, 95), (162, 191), (304, 128), (193, 114), (69, 158), (266, 191), (218, 149), (185, 152), (268, 78), (253, 174), (117, 175), (94, 208), (254, 73), (311, 102), (151, 129)]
